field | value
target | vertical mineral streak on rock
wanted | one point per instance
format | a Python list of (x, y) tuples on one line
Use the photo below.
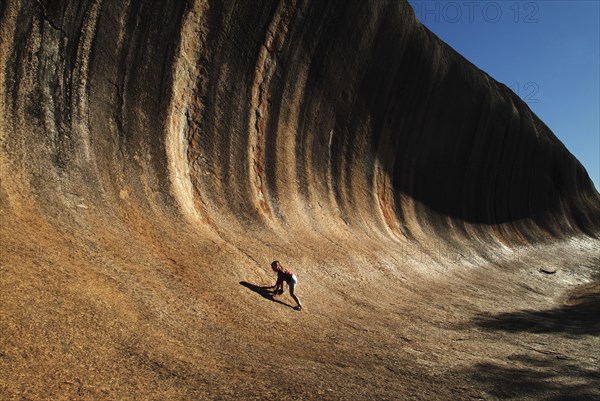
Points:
[(383, 195), (7, 32), (180, 121), (8, 175), (24, 87), (265, 69), (80, 99)]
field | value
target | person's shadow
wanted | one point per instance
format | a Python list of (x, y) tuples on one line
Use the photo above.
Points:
[(264, 292)]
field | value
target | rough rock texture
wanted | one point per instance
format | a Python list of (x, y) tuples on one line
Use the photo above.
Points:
[(157, 155)]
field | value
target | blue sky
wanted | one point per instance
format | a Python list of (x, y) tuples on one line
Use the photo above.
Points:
[(547, 51)]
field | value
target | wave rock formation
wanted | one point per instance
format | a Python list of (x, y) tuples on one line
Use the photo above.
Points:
[(156, 154)]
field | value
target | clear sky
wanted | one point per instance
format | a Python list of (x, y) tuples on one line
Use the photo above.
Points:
[(547, 51)]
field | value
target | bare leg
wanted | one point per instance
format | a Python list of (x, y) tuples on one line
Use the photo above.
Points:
[(295, 297)]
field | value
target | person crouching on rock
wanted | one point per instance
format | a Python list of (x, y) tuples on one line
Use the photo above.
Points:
[(287, 276)]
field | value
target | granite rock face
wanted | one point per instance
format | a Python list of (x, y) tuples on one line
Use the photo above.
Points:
[(158, 143), (284, 110)]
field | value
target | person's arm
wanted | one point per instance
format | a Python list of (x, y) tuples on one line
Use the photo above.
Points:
[(279, 283)]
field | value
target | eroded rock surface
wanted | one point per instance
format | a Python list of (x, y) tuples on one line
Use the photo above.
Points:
[(156, 154)]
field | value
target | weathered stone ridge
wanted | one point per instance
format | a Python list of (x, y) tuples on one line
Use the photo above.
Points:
[(219, 110), (154, 154)]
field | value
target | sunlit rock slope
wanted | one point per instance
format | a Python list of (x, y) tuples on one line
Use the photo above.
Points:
[(155, 154)]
